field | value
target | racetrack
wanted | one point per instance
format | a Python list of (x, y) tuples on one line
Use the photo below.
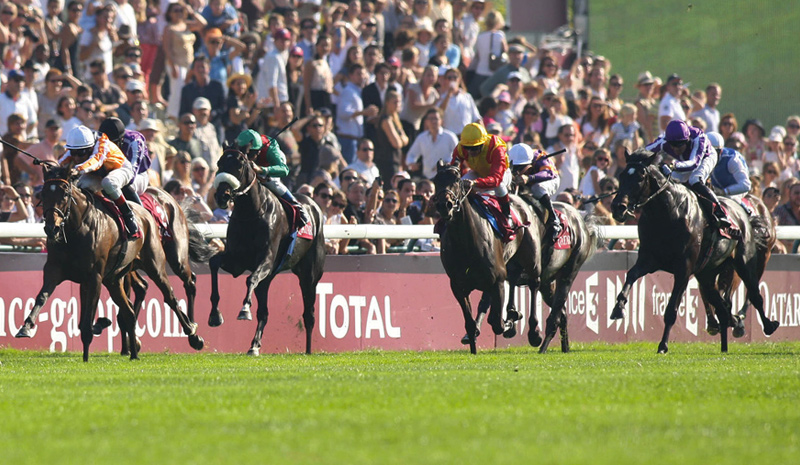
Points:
[(599, 404)]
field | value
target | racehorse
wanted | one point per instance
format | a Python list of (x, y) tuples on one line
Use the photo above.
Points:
[(676, 237), (258, 241), (84, 245), (474, 257), (559, 269)]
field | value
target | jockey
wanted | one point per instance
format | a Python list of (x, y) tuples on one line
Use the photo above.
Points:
[(483, 162), (694, 161), (271, 161), (101, 165), (534, 170), (134, 146), (730, 177)]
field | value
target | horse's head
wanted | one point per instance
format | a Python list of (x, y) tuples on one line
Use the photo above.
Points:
[(634, 183), (449, 189), (57, 200), (235, 176)]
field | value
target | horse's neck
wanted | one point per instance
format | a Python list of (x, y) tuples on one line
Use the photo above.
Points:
[(256, 201), (467, 219), (81, 206), (670, 204)]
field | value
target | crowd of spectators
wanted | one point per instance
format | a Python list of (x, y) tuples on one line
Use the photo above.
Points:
[(382, 90)]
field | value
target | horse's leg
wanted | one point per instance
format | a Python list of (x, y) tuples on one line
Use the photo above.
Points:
[(712, 298), (483, 308), (215, 317), (498, 294), (671, 313), (52, 278), (309, 272), (557, 311), (747, 271), (639, 269), (244, 313), (139, 285), (126, 316), (90, 295), (547, 291), (564, 334), (462, 297), (180, 265), (262, 314)]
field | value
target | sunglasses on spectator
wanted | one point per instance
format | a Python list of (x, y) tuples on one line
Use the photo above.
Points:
[(793, 126), (133, 55), (770, 172), (8, 12), (789, 143), (367, 149), (76, 9), (296, 55), (349, 178), (124, 76), (531, 113), (338, 205), (324, 195), (603, 159), (214, 42), (54, 80), (188, 121), (316, 125), (97, 73), (390, 200), (615, 84), (728, 123)]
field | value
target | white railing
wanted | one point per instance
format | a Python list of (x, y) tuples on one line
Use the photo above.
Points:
[(365, 231)]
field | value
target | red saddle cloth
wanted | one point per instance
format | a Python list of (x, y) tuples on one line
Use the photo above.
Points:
[(114, 212), (751, 208), (564, 239), (306, 232), (733, 232), (158, 214), (490, 206)]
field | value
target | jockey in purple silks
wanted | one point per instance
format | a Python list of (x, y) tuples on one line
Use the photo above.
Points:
[(695, 159), (134, 146)]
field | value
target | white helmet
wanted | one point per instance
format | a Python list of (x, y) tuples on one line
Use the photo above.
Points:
[(80, 137), (521, 154), (716, 140)]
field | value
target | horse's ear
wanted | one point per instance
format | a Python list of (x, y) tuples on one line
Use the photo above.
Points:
[(440, 165), (627, 155)]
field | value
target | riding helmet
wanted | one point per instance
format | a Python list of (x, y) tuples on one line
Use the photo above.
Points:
[(716, 139), (80, 137), (113, 128), (676, 130), (474, 134), (250, 137), (520, 154)]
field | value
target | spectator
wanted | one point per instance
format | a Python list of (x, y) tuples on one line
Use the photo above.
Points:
[(139, 112), (201, 176), (308, 36), (221, 14), (13, 101), (364, 165), (595, 125), (44, 149), (788, 214), (188, 199), (548, 75), (627, 128), (205, 131), (390, 137), (529, 123), (201, 85), (134, 92), (221, 50), (568, 163), (271, 82), (322, 196), (613, 99), (179, 38), (386, 215), (310, 147), (14, 168), (491, 42), (97, 43), (351, 111), (317, 77), (728, 125), (432, 145), (670, 106), (108, 93), (590, 184), (181, 171), (647, 107), (793, 126), (162, 154), (185, 140), (243, 108), (294, 70), (709, 113), (771, 197), (515, 55), (65, 111), (12, 208), (336, 216), (374, 94), (755, 144), (557, 117), (458, 106)]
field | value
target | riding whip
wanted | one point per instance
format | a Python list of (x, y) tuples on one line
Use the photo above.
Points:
[(286, 127), (36, 161)]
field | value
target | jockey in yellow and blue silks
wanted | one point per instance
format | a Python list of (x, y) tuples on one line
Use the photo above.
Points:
[(483, 161), (102, 166), (268, 156)]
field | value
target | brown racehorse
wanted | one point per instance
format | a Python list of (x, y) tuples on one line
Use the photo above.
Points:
[(84, 246)]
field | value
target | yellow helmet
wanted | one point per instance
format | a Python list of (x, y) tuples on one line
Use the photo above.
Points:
[(474, 134)]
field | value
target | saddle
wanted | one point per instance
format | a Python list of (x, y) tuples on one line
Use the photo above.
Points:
[(149, 203), (293, 215), (113, 211), (733, 233), (488, 207), (564, 239)]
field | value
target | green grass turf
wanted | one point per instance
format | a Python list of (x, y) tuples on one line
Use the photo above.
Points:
[(748, 47), (619, 404)]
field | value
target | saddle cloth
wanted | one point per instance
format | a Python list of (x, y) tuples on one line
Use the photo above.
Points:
[(489, 207), (564, 239), (729, 233), (293, 215), (158, 214), (113, 211)]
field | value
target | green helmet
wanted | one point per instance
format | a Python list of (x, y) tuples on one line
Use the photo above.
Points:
[(249, 137)]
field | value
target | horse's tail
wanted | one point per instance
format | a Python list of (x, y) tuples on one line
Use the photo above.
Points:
[(761, 231), (200, 251), (596, 238)]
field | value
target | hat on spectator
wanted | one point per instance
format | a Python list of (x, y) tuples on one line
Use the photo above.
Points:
[(134, 86), (236, 76), (282, 33), (325, 111), (494, 127), (213, 33), (136, 69), (16, 75), (148, 123), (444, 69), (393, 61), (777, 134), (297, 51), (201, 103), (645, 78), (550, 92), (52, 123), (674, 77), (516, 48), (504, 97), (515, 75), (738, 137), (756, 123)]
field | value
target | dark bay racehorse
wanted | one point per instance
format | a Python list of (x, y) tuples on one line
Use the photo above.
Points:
[(676, 237), (474, 257), (257, 241), (559, 268), (84, 246)]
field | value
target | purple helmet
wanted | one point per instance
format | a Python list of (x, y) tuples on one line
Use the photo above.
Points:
[(676, 130)]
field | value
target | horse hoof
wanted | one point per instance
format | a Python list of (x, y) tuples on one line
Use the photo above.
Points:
[(215, 319), (617, 314), (138, 345), (770, 327), (254, 351), (100, 325), (534, 339), (663, 349), (124, 352), (24, 331), (738, 331), (192, 329), (473, 349), (196, 342), (510, 332), (245, 314), (513, 315), (712, 330), (465, 339)]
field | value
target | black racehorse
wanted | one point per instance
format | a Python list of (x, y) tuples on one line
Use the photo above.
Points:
[(474, 257), (675, 236), (84, 246), (559, 268), (258, 240)]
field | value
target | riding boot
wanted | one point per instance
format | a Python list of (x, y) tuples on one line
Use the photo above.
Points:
[(505, 207), (720, 217), (130, 194), (304, 219), (131, 226), (553, 223)]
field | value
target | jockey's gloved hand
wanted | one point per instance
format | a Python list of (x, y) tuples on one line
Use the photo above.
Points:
[(667, 168), (718, 191)]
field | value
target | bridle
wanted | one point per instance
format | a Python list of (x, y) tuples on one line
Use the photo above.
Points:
[(242, 191), (71, 200), (631, 208), (458, 195)]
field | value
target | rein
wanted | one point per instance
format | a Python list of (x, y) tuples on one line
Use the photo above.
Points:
[(64, 215), (654, 195)]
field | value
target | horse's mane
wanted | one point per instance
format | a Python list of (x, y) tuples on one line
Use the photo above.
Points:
[(644, 157), (57, 172)]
